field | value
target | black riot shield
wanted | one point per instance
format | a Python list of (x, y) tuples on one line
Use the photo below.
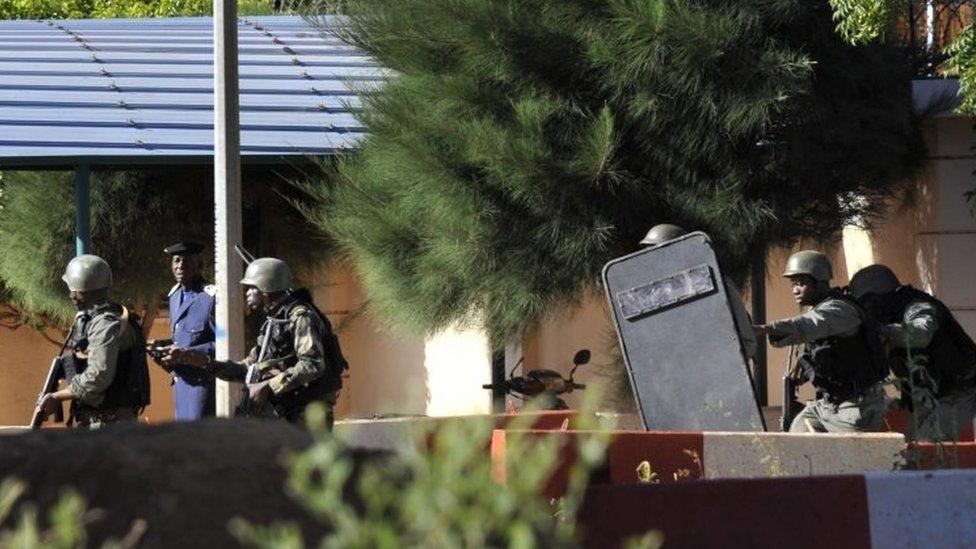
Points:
[(679, 339)]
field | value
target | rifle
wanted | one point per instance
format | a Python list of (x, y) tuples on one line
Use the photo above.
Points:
[(791, 406), (54, 374)]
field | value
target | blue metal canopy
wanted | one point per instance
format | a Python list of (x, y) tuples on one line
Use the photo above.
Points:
[(140, 91)]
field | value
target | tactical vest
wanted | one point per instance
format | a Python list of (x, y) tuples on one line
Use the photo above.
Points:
[(844, 368), (277, 339), (130, 386), (950, 358)]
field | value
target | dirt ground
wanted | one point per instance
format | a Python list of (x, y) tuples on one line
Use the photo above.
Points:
[(186, 480)]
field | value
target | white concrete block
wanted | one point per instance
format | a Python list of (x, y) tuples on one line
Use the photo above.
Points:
[(752, 455), (922, 509)]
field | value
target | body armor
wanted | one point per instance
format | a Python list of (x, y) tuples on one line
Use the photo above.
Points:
[(130, 385), (277, 341), (949, 359), (842, 368)]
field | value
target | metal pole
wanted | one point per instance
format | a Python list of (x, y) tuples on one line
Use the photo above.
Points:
[(757, 294), (82, 209), (227, 198)]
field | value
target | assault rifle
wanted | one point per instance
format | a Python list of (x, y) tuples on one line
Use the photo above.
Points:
[(54, 375), (791, 405)]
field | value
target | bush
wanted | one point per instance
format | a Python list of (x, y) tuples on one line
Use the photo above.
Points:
[(440, 493)]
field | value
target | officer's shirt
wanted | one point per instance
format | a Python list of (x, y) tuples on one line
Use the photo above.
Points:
[(107, 335), (193, 324), (917, 328), (830, 317)]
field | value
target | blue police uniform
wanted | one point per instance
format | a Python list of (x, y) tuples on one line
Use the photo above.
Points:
[(191, 317)]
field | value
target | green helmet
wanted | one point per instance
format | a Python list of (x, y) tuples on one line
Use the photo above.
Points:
[(809, 262), (662, 233), (873, 279), (268, 274), (85, 273)]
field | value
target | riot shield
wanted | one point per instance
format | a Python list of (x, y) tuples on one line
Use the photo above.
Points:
[(679, 339)]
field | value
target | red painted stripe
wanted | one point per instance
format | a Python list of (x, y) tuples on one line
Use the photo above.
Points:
[(897, 421), (926, 455), (797, 513), (673, 455)]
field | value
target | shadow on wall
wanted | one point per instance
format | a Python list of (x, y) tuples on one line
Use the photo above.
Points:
[(386, 373)]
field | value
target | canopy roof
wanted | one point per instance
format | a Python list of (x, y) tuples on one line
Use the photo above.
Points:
[(140, 91)]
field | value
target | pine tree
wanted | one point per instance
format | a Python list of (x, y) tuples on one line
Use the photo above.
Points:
[(518, 146)]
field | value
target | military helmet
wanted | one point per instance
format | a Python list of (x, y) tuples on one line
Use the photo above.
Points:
[(873, 279), (662, 233), (809, 262), (268, 274), (85, 273)]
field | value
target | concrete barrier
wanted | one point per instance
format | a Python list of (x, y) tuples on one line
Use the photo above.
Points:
[(897, 422), (958, 455), (883, 510), (750, 455), (392, 434), (674, 456)]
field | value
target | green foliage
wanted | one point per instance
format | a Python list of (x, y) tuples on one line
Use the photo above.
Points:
[(133, 217), (79, 9), (522, 145), (439, 493), (962, 65), (65, 523), (861, 21)]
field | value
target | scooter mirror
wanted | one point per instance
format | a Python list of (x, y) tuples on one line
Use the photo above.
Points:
[(581, 357)]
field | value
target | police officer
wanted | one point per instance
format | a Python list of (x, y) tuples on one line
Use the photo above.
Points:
[(930, 353), (839, 355), (743, 322), (191, 318), (296, 360), (107, 347)]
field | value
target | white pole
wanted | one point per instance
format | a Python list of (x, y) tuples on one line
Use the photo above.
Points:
[(930, 25), (227, 199)]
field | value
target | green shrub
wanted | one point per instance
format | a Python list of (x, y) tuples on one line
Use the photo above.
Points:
[(441, 492)]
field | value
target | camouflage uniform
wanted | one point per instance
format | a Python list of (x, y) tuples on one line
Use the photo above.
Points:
[(832, 317), (294, 361), (108, 337)]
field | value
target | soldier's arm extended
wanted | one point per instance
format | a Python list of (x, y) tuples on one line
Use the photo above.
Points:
[(829, 318), (104, 340), (227, 370), (308, 350), (918, 326)]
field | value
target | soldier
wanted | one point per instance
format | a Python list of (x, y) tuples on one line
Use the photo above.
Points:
[(296, 358), (841, 355), (930, 353), (191, 317), (743, 322), (107, 378)]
